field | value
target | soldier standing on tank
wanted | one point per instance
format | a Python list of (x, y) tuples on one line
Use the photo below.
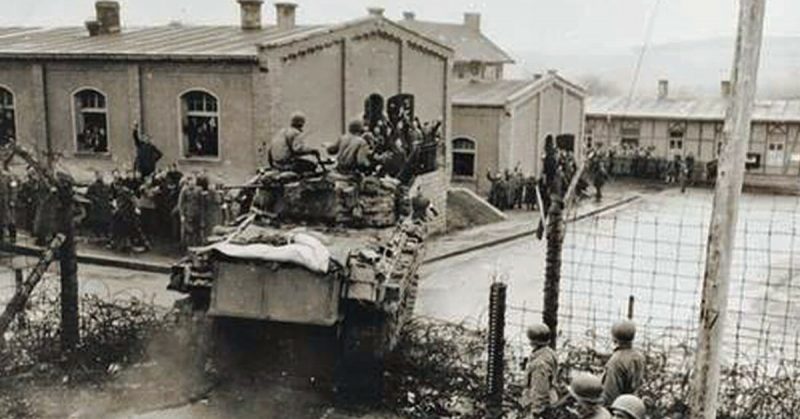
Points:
[(587, 391), (628, 406), (539, 394), (625, 369)]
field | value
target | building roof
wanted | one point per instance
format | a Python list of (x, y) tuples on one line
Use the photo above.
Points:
[(498, 93), (171, 42), (707, 109), (468, 44)]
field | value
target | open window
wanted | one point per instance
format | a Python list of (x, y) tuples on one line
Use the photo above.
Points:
[(8, 127), (464, 157), (200, 124), (91, 121)]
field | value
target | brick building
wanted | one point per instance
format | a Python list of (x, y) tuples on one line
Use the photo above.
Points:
[(499, 124), (684, 126), (211, 97)]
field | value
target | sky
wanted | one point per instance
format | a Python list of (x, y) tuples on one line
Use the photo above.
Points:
[(547, 26)]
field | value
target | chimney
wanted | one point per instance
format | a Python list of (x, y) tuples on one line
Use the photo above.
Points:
[(106, 20), (663, 89), (409, 16), (552, 72), (251, 14), (286, 15), (537, 76), (473, 21), (725, 88), (375, 11)]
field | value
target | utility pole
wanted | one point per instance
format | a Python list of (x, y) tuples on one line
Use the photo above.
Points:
[(725, 213)]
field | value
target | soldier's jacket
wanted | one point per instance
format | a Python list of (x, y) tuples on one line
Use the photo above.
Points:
[(189, 204), (540, 376), (624, 373), (600, 413)]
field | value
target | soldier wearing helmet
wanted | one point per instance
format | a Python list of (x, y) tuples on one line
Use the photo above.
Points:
[(628, 406), (352, 150), (539, 394), (625, 369), (287, 150), (587, 390)]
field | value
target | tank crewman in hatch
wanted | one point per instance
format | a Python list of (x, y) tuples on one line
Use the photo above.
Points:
[(539, 394), (352, 150), (625, 369), (287, 151)]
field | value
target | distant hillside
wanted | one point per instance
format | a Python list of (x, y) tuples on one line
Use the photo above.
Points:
[(693, 68)]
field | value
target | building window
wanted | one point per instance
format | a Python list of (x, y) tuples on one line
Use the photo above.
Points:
[(630, 133), (588, 138), (676, 140), (200, 124), (775, 154), (463, 157), (753, 161), (91, 121), (8, 128)]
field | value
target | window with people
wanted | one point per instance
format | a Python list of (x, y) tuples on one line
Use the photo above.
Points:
[(200, 124), (91, 121), (7, 121), (463, 157)]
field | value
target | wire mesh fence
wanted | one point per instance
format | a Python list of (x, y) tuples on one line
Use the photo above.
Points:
[(654, 252)]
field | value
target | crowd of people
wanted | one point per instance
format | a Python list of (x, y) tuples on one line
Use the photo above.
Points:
[(589, 396), (125, 210), (642, 163), (129, 209), (513, 190)]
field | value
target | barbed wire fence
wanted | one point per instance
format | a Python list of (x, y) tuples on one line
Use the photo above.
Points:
[(653, 252)]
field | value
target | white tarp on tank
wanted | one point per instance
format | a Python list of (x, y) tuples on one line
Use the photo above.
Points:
[(303, 250)]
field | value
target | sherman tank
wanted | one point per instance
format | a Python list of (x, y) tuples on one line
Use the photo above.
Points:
[(317, 277)]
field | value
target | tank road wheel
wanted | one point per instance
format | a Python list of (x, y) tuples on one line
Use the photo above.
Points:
[(359, 372)]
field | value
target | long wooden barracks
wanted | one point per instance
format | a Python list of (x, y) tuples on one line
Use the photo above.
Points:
[(211, 97)]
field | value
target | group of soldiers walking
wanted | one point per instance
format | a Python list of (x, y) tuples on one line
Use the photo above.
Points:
[(589, 396)]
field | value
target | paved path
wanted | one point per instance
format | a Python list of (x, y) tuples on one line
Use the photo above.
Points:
[(524, 223)]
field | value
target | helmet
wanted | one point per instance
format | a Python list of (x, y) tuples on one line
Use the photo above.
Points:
[(630, 404), (356, 126), (539, 333), (586, 388), (624, 331), (298, 118)]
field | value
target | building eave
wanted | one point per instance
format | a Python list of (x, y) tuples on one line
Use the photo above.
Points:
[(183, 58)]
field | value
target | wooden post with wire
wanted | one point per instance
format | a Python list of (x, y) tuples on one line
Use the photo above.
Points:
[(730, 178)]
